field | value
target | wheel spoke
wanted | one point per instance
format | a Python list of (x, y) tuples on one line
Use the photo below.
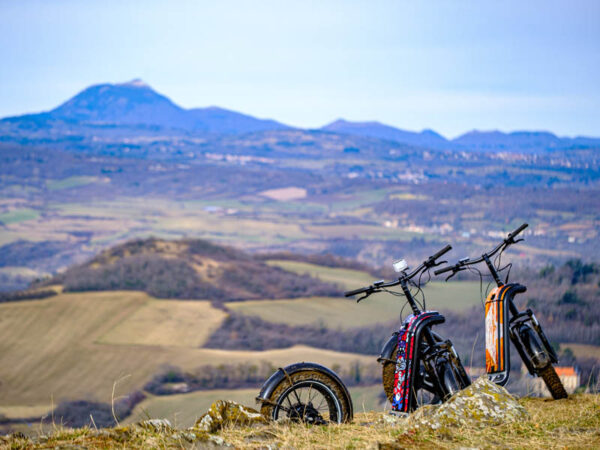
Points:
[(294, 390), (309, 392), (321, 403), (308, 401), (285, 408)]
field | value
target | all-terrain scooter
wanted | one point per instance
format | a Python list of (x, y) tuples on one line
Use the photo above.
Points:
[(418, 365), (502, 319)]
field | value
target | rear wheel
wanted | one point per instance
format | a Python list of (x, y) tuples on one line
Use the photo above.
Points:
[(312, 397), (553, 382)]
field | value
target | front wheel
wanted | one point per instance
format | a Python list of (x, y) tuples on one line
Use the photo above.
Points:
[(308, 396), (427, 389), (449, 378), (555, 386)]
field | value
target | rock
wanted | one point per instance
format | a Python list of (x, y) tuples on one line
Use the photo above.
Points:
[(218, 441), (224, 413), (395, 418), (480, 405), (158, 425)]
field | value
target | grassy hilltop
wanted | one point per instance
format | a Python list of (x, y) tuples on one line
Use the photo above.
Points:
[(569, 423)]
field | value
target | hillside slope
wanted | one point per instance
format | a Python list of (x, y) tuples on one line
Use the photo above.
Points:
[(188, 269), (77, 345)]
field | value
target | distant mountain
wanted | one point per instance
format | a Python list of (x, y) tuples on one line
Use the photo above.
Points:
[(426, 138), (520, 141), (481, 141), (117, 107), (218, 120), (127, 103), (136, 103)]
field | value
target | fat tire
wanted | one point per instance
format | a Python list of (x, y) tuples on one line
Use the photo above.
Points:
[(268, 407), (555, 386), (388, 375)]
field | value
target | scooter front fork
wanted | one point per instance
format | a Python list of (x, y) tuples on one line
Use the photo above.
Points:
[(531, 342)]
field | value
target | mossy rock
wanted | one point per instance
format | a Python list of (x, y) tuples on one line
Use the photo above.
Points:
[(482, 404), (224, 413)]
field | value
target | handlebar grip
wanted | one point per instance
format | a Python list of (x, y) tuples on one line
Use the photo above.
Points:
[(518, 230), (443, 251), (444, 270), (355, 291)]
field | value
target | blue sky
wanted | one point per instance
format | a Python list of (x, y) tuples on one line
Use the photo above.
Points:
[(451, 66)]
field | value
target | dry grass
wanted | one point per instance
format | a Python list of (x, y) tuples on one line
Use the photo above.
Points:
[(573, 423), (570, 423), (167, 323), (182, 410), (56, 347), (21, 411)]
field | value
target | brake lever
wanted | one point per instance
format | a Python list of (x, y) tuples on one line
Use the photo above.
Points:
[(372, 291), (454, 272), (511, 241), (450, 276), (439, 263), (362, 298)]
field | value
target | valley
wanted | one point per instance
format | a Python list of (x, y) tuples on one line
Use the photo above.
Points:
[(92, 173), (181, 244)]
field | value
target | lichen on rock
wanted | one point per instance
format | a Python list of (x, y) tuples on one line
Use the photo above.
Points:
[(482, 404), (225, 413), (158, 425)]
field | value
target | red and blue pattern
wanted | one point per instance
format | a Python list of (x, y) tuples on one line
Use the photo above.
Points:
[(403, 367), (404, 364)]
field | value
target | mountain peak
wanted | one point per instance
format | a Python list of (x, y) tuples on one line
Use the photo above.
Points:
[(128, 103), (136, 82), (136, 103)]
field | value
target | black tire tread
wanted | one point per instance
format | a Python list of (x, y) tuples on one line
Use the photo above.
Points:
[(553, 382), (388, 375), (267, 408)]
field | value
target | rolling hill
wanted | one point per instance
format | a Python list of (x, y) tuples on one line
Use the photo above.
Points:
[(188, 269), (77, 345)]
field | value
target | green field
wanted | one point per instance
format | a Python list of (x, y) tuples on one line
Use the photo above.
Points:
[(346, 313), (340, 312), (183, 409), (18, 215), (346, 278), (70, 182)]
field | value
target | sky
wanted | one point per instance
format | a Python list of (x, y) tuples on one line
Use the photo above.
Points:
[(451, 66)]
